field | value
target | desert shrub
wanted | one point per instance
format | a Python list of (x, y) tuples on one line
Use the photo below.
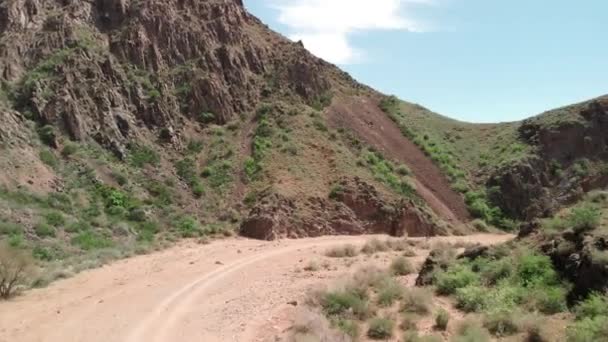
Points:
[(389, 291), (496, 270), (187, 226), (186, 170), (470, 331), (47, 135), (368, 276), (550, 299), (374, 246), (16, 268), (7, 228), (417, 300), (535, 329), (346, 251), (336, 191), (456, 277), (584, 218), (141, 156), (198, 190), (348, 327), (588, 330), (480, 225), (380, 328), (44, 230), (598, 196), (471, 298), (195, 146), (595, 305), (88, 240), (501, 323), (49, 158), (312, 266), (69, 149), (401, 267), (343, 302), (54, 218), (442, 319), (206, 117), (534, 269)]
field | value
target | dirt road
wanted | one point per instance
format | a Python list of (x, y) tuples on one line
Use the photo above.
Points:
[(220, 292)]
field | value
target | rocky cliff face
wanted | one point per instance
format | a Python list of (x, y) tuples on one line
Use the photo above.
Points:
[(100, 69), (186, 108), (571, 157)]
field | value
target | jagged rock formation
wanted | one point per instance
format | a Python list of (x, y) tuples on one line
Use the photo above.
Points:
[(571, 156), (357, 208)]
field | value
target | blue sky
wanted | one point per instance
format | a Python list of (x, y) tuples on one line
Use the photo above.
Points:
[(473, 60)]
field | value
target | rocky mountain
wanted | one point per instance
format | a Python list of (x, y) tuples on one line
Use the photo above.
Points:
[(128, 124)]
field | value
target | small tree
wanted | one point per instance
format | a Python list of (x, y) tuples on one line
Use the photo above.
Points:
[(15, 269)]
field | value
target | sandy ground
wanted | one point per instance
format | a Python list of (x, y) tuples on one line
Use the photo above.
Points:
[(230, 290)]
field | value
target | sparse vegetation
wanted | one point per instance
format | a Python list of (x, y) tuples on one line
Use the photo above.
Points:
[(442, 319), (380, 328), (346, 251), (16, 268), (401, 267)]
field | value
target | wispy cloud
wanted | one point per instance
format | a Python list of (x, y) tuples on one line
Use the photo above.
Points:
[(326, 26)]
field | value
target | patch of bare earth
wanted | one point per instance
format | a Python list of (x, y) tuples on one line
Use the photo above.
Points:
[(363, 116), (230, 290)]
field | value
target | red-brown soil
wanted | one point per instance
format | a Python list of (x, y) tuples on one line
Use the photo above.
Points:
[(363, 116)]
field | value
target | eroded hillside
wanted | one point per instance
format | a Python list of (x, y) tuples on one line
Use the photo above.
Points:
[(127, 125)]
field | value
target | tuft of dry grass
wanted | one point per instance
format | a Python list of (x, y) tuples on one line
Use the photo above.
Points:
[(346, 251), (374, 246), (401, 267), (417, 300)]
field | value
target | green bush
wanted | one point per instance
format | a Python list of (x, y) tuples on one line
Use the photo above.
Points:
[(389, 291), (456, 277), (49, 158), (595, 305), (401, 267), (534, 269), (198, 190), (380, 328), (47, 135), (206, 117), (470, 331), (344, 302), (43, 230), (141, 156), (88, 240), (186, 170), (471, 298), (584, 218), (442, 319), (69, 149), (349, 327), (550, 300), (54, 218), (588, 330), (188, 227), (501, 323)]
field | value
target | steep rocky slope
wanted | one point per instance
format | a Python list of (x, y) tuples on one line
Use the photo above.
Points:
[(129, 124), (519, 170)]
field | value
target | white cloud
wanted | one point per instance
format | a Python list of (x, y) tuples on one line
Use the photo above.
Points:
[(325, 26)]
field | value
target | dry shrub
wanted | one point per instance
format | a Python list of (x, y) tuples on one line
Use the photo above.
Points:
[(346, 251), (311, 326), (16, 269), (374, 246), (417, 300)]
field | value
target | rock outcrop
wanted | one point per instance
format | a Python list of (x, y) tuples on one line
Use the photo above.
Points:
[(570, 160), (357, 208)]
